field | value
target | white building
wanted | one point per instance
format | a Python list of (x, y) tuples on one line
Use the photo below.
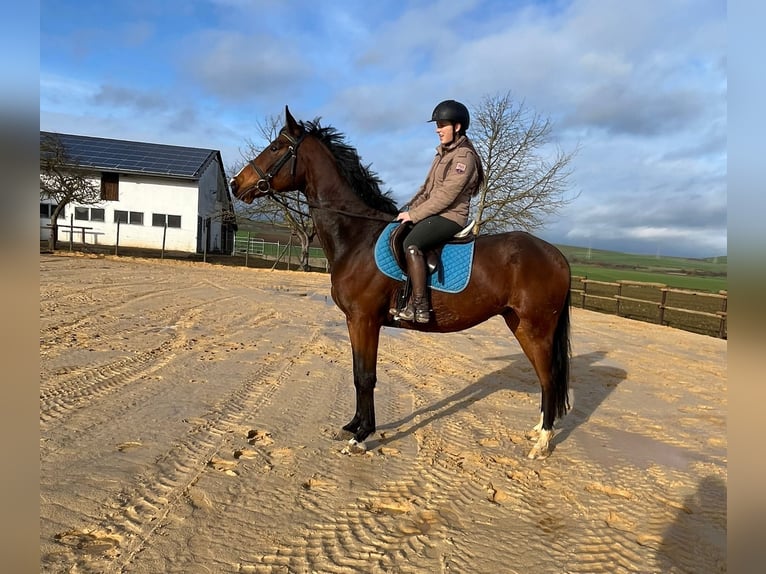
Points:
[(151, 193)]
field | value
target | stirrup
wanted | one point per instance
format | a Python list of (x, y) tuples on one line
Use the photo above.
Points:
[(406, 314), (421, 309)]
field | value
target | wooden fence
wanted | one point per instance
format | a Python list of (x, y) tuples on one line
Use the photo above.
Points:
[(696, 311)]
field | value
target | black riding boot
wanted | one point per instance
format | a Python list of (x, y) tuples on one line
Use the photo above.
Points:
[(417, 308)]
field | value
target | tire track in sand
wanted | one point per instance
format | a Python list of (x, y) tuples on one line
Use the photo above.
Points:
[(82, 385), (393, 523), (104, 322), (446, 486), (135, 514), (467, 484)]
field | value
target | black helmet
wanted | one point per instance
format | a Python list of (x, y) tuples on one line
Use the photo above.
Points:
[(451, 111)]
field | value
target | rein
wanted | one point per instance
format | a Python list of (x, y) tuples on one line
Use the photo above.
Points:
[(264, 183), (284, 204)]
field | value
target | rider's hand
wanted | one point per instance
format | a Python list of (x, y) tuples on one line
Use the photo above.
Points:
[(404, 217)]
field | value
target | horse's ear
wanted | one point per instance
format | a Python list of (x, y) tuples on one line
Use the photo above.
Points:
[(290, 123)]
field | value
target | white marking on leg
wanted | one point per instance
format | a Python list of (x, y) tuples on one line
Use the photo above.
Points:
[(539, 426), (354, 447), (542, 447)]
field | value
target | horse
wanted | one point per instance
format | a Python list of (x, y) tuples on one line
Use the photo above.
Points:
[(514, 274)]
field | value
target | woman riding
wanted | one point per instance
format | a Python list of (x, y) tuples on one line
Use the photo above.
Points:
[(439, 209)]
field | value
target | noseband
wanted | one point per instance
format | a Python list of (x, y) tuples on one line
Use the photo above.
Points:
[(264, 183)]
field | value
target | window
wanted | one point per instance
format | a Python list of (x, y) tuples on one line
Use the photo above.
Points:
[(89, 214), (110, 186), (131, 217), (47, 209), (160, 219)]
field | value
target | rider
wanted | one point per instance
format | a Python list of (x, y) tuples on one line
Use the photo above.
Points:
[(439, 209)]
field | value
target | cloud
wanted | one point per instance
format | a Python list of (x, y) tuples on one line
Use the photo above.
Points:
[(238, 67), (110, 95), (639, 88), (617, 109)]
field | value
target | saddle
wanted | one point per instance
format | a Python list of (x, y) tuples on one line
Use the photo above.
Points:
[(432, 256)]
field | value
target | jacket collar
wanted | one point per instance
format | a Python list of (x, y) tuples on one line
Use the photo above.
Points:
[(441, 149)]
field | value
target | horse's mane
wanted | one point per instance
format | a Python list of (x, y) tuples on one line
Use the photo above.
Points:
[(365, 182)]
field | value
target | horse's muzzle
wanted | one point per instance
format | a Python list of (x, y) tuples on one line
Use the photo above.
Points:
[(238, 192)]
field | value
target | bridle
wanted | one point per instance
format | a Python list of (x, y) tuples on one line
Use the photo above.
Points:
[(264, 183), (291, 154)]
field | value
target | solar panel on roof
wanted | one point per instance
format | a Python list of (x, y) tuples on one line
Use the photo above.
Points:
[(121, 155)]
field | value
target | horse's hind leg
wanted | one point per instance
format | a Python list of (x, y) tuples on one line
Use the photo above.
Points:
[(538, 349), (544, 428)]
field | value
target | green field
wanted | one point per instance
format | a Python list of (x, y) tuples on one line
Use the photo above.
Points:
[(693, 274)]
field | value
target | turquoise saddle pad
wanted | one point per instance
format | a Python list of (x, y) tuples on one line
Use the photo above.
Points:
[(455, 269)]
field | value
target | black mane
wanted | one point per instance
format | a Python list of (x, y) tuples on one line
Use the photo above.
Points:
[(365, 182)]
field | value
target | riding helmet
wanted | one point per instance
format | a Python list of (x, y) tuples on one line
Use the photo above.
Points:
[(451, 111)]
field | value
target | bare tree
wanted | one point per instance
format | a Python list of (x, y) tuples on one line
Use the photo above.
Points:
[(289, 208), (522, 185), (526, 177), (64, 181)]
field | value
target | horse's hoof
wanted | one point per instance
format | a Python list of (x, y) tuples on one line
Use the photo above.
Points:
[(342, 434), (354, 447), (538, 453), (542, 448), (532, 434)]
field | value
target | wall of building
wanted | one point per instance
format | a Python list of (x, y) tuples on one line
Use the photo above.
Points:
[(147, 195), (212, 200)]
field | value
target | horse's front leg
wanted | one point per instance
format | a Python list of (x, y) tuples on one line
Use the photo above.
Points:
[(365, 335)]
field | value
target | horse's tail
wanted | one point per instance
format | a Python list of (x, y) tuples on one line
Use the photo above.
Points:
[(560, 360)]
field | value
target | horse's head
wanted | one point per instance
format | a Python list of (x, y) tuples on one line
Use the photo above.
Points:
[(274, 169)]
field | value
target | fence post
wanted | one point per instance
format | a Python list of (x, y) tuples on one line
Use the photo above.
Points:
[(117, 240), (204, 240), (279, 256), (290, 252), (584, 292), (663, 300), (724, 305), (619, 294), (164, 235), (71, 231), (247, 248)]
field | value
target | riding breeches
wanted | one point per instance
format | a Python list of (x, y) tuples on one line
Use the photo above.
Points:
[(431, 232)]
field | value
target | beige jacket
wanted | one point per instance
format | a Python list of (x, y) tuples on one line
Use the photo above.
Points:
[(451, 181)]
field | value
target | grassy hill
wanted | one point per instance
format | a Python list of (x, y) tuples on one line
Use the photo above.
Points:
[(709, 274)]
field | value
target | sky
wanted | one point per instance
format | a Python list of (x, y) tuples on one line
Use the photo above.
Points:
[(638, 89)]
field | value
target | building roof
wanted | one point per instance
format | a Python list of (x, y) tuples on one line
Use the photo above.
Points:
[(121, 156)]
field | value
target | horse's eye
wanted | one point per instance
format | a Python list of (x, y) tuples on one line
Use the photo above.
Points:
[(274, 148)]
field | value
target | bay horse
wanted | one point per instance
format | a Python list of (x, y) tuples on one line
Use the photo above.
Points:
[(515, 275)]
